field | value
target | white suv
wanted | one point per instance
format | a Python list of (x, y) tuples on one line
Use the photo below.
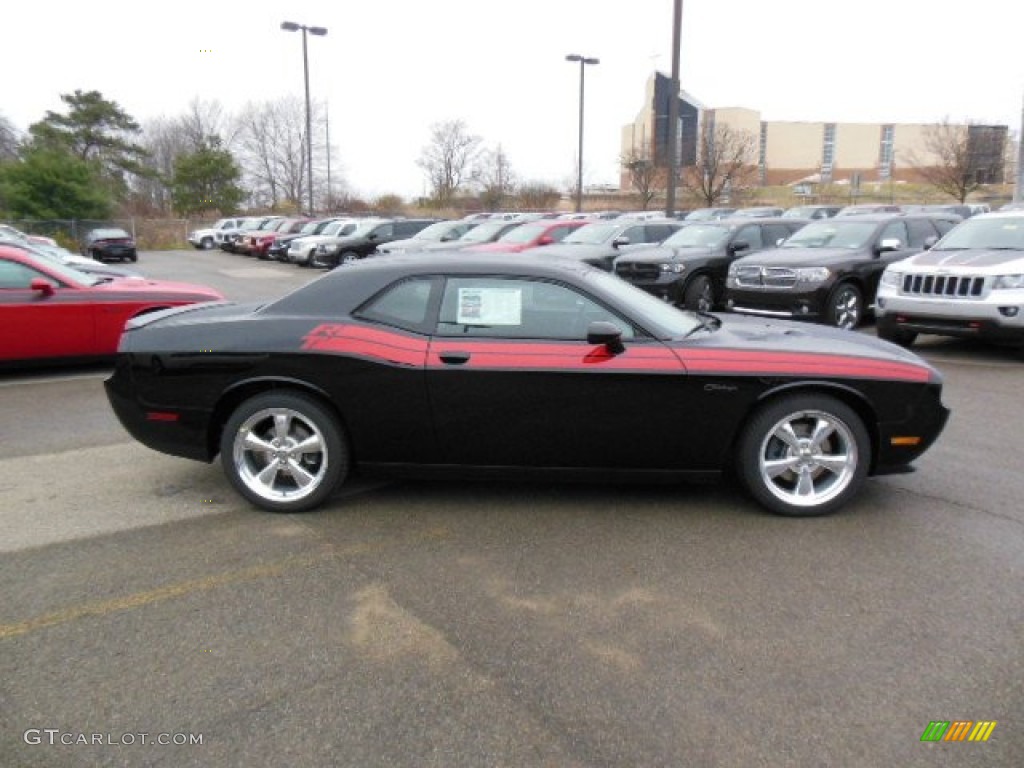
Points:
[(970, 284), (205, 239)]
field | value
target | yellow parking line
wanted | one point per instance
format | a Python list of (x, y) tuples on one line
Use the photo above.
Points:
[(149, 597)]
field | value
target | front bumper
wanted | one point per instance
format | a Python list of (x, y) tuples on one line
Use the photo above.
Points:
[(794, 304), (998, 317)]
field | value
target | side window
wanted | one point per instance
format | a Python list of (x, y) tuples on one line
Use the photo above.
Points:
[(558, 233), (920, 230), (519, 309), (384, 230), (403, 305), (751, 235), (658, 232), (635, 234), (897, 230), (772, 233), (17, 276), (944, 225)]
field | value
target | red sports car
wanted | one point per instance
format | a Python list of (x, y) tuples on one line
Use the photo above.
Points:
[(50, 312), (529, 235)]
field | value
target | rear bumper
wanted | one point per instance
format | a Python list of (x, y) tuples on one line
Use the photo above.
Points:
[(173, 431)]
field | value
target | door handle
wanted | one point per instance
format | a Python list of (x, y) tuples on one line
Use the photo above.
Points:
[(454, 358)]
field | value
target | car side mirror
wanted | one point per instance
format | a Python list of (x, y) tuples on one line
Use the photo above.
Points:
[(41, 286), (620, 241), (738, 245), (608, 334), (930, 241), (546, 240), (780, 241), (889, 244)]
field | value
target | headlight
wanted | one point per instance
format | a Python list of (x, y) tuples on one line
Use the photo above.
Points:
[(892, 279), (812, 274), (733, 270), (1008, 282), (672, 266)]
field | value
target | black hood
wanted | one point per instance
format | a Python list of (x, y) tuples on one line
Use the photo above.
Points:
[(662, 254), (802, 257)]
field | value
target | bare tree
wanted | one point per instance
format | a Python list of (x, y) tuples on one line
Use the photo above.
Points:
[(9, 140), (645, 177), (204, 120), (725, 163), (448, 158), (538, 196), (959, 159), (271, 144), (493, 173)]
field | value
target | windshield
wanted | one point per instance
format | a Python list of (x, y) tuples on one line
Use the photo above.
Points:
[(66, 273), (269, 224), (311, 227), (334, 227), (833, 234), (484, 233), (593, 234), (697, 234), (434, 231), (1004, 233), (676, 322), (362, 229), (525, 233), (109, 234)]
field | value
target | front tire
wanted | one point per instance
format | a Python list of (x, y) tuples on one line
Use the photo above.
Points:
[(896, 335), (206, 243), (284, 452), (845, 306), (699, 295), (804, 455)]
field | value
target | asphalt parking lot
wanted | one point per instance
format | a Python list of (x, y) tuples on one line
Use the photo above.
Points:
[(499, 624)]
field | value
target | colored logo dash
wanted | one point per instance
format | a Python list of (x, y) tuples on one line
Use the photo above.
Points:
[(958, 730)]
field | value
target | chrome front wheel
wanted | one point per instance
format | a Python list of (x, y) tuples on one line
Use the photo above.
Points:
[(804, 455)]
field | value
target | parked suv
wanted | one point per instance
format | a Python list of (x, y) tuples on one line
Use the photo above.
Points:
[(205, 239), (829, 270), (302, 249), (599, 242), (364, 240), (689, 268), (971, 285)]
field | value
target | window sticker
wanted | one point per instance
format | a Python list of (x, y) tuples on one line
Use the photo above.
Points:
[(490, 306)]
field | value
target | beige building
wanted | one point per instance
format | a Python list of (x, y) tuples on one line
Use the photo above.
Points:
[(788, 152)]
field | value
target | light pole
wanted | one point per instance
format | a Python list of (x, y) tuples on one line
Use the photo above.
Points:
[(291, 26), (583, 60)]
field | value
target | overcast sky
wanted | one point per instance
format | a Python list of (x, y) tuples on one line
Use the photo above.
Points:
[(388, 69)]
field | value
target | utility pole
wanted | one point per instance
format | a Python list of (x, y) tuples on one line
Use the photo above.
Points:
[(673, 114), (1018, 188)]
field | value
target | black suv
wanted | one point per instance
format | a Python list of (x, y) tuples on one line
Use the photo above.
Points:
[(368, 234), (689, 268), (829, 270)]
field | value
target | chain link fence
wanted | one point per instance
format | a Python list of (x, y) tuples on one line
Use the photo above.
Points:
[(149, 234)]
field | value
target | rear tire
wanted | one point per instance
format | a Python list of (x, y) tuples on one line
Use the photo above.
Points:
[(348, 257), (804, 455), (284, 452)]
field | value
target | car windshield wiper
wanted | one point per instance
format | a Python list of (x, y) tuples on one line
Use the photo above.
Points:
[(707, 322)]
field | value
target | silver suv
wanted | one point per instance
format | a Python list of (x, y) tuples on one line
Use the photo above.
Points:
[(970, 284)]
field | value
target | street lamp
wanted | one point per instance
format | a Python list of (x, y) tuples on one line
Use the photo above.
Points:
[(291, 26), (583, 60)]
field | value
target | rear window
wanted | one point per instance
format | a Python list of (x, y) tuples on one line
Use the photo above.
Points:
[(403, 305)]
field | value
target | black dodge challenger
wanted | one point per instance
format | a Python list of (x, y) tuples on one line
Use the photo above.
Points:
[(510, 364)]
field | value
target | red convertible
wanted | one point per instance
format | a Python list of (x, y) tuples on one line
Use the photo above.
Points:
[(50, 312)]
